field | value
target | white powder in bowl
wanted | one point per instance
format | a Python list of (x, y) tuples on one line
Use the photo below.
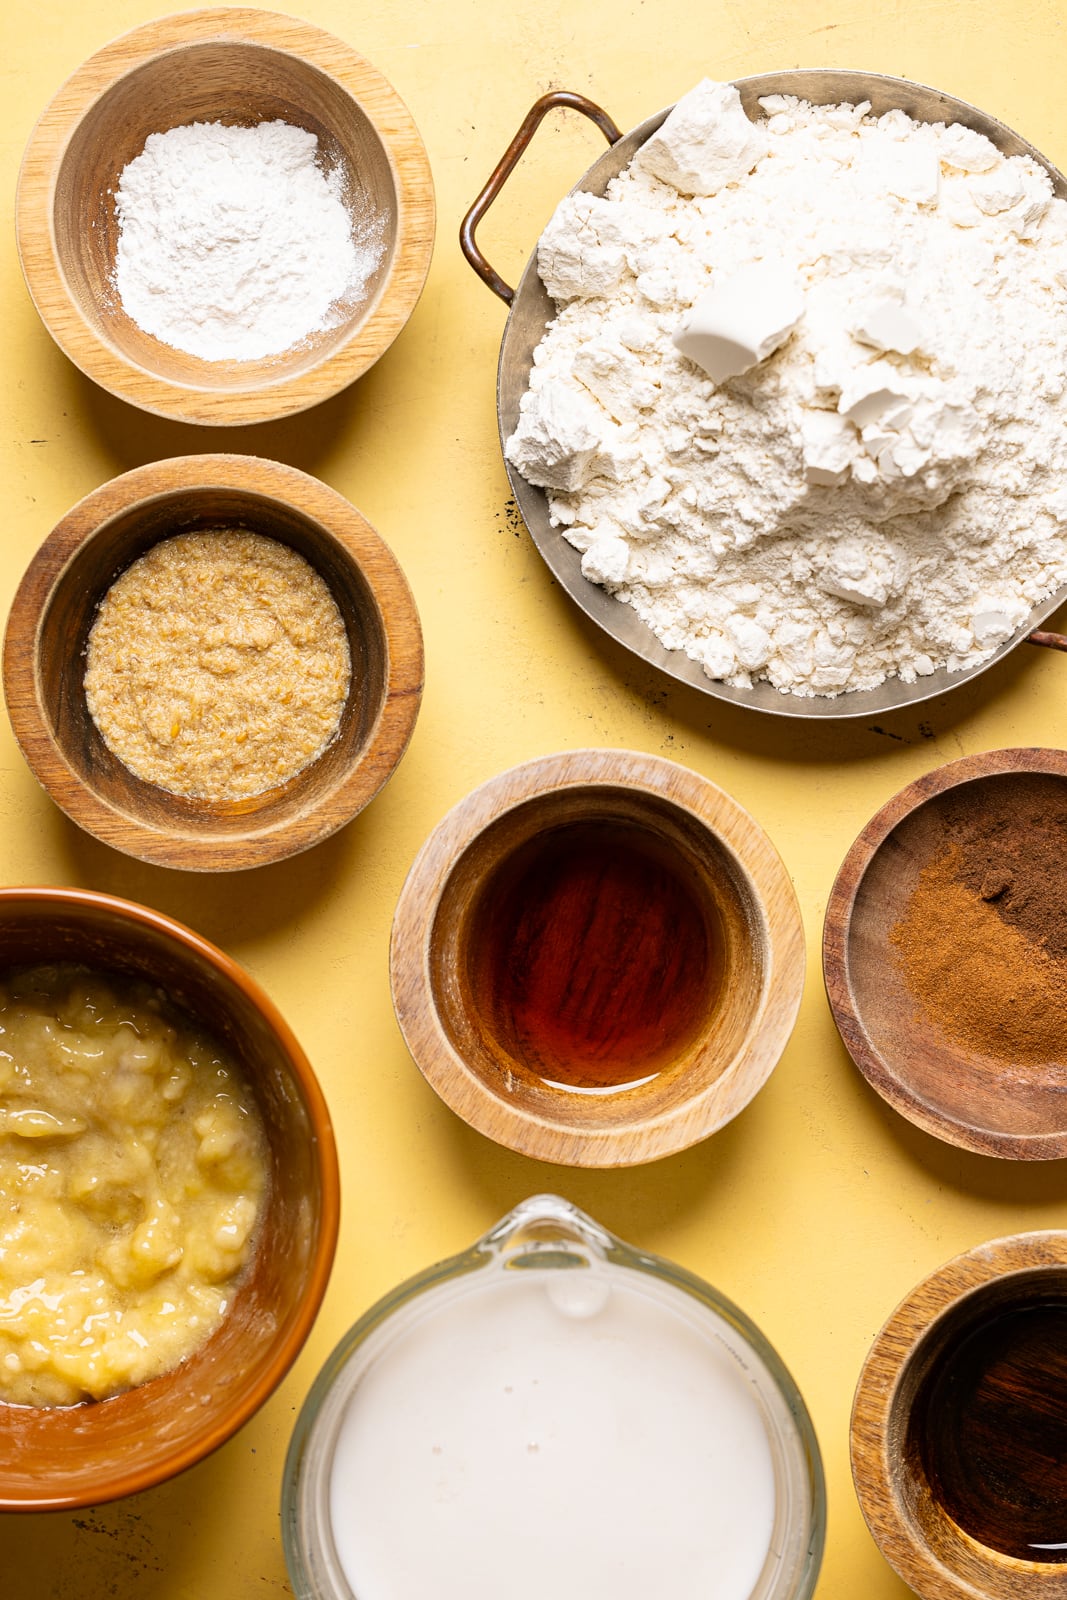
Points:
[(868, 475), (235, 243)]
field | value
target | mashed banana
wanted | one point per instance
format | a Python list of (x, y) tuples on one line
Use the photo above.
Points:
[(132, 1173)]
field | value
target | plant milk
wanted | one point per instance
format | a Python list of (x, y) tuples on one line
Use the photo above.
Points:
[(554, 1435)]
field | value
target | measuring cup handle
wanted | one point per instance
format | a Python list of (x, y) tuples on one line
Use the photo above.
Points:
[(1051, 641), (506, 165)]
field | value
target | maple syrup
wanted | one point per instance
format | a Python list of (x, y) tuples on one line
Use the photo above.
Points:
[(990, 1429), (597, 956)]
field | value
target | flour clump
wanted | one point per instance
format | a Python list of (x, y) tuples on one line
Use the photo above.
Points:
[(236, 243), (804, 402)]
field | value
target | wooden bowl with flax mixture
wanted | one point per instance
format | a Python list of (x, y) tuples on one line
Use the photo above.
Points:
[(239, 67), (154, 812), (945, 953)]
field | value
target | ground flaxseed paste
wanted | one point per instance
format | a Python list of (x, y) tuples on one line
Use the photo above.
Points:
[(982, 944), (218, 665)]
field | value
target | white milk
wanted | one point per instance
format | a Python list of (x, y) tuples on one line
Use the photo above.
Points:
[(554, 1436)]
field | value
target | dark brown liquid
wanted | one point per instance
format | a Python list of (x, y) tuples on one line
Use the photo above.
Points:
[(991, 1429), (598, 956)]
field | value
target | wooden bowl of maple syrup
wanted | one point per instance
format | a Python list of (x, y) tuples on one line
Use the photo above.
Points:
[(959, 1426), (597, 958)]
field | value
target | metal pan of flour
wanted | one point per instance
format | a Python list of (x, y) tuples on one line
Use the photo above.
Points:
[(532, 309)]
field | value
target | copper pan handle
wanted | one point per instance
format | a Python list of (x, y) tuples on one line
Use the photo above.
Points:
[(1051, 641), (506, 165)]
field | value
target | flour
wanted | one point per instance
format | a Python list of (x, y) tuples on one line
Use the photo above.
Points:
[(234, 243), (883, 494)]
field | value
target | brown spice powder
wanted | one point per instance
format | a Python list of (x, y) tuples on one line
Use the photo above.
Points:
[(988, 985), (1015, 857)]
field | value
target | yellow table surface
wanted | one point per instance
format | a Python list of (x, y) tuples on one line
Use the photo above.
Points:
[(818, 1208)]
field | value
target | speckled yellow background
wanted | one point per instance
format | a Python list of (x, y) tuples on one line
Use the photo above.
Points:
[(818, 1208)]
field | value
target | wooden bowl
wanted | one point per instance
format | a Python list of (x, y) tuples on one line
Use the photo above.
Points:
[(597, 958), (987, 1100), (239, 66), (83, 1455), (942, 1435), (54, 609)]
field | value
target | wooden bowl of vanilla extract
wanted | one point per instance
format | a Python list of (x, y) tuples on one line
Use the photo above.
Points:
[(597, 958), (959, 1426)]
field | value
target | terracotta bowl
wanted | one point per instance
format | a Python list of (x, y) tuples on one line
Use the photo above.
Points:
[(944, 1484), (52, 1458), (54, 609), (688, 1046), (230, 65), (982, 1099)]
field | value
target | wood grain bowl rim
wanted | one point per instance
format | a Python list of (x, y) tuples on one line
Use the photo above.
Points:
[(875, 1428), (267, 399), (126, 1481), (879, 1073), (183, 846), (640, 1139)]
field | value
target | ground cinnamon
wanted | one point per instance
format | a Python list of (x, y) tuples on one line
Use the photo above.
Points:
[(1012, 834), (982, 944)]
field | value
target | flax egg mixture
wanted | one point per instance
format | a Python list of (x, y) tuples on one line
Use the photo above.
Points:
[(133, 1172), (218, 665)]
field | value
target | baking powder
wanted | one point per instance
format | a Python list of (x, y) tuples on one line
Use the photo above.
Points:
[(235, 243), (884, 492)]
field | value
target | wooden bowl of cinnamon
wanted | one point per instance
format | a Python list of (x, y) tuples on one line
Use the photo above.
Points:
[(945, 953)]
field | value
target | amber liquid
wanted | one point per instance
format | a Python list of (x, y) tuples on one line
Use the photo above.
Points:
[(991, 1432), (598, 955)]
